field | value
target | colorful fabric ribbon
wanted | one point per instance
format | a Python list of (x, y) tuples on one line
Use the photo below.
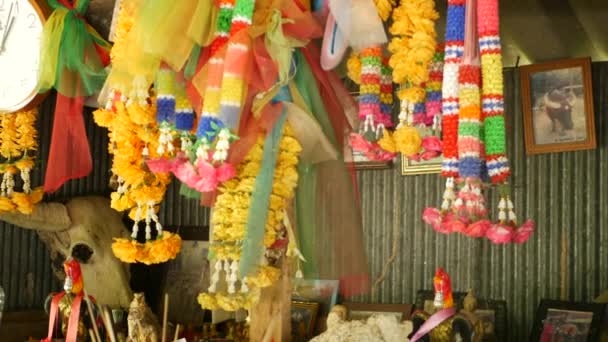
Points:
[(73, 58)]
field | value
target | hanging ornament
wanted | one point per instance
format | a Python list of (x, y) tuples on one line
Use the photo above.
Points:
[(480, 148)]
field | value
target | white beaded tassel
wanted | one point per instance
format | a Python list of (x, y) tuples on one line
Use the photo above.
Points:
[(222, 146), (502, 205), (136, 221), (154, 217), (202, 151), (244, 287), (186, 142), (3, 185), (227, 270), (234, 268), (165, 139), (448, 194), (149, 209), (215, 277), (512, 217), (25, 176), (10, 184)]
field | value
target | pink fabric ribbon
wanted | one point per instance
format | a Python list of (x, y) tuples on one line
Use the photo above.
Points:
[(433, 322)]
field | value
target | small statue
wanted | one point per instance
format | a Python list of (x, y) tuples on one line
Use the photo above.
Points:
[(466, 325), (143, 326), (61, 305)]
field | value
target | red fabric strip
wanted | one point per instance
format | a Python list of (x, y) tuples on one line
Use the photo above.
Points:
[(53, 316), (72, 332), (69, 155)]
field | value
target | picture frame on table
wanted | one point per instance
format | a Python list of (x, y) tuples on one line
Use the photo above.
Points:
[(303, 320), (362, 311), (557, 99), (423, 167), (572, 321), (493, 313), (360, 162), (322, 291)]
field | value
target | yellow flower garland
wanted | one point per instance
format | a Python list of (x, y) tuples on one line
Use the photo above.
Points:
[(18, 137), (133, 137), (412, 46), (230, 218)]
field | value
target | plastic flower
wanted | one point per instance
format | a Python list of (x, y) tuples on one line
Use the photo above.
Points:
[(432, 143), (523, 233), (126, 250), (407, 140), (478, 229), (500, 233), (433, 217)]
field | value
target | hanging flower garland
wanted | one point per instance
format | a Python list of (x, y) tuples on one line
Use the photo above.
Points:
[(17, 140), (229, 221), (412, 48), (466, 213), (492, 100), (134, 138)]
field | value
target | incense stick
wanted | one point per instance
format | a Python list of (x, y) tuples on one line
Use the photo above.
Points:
[(177, 328), (90, 309), (165, 314), (92, 335), (109, 323)]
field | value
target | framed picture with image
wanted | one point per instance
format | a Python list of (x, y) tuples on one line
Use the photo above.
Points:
[(422, 167), (558, 106), (303, 319), (567, 321)]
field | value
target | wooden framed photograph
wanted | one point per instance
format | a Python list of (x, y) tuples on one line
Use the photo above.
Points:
[(422, 167), (567, 321), (362, 311), (303, 319), (324, 292), (558, 106), (360, 162)]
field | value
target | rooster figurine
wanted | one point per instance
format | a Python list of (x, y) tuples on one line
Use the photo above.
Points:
[(68, 306), (441, 330)]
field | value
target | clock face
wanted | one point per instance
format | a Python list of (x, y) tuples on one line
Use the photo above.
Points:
[(20, 33)]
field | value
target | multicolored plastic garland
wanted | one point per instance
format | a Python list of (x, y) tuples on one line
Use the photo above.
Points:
[(466, 213)]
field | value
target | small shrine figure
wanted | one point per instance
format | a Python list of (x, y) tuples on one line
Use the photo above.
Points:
[(68, 306), (143, 325)]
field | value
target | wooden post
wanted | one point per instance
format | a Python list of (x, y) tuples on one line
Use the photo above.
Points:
[(275, 303)]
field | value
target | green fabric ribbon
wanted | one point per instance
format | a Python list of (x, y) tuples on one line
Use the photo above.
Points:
[(69, 60), (253, 244)]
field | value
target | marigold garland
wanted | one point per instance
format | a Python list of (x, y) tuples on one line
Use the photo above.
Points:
[(17, 141), (134, 137), (229, 221), (412, 47)]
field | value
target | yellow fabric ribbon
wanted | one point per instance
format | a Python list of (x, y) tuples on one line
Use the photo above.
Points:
[(280, 48), (203, 22), (49, 54)]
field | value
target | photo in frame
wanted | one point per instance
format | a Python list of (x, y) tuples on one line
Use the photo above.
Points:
[(567, 321), (303, 320), (362, 311), (361, 162), (324, 292), (411, 167), (557, 99)]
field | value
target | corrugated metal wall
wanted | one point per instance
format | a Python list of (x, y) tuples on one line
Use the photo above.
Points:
[(25, 263), (566, 193)]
